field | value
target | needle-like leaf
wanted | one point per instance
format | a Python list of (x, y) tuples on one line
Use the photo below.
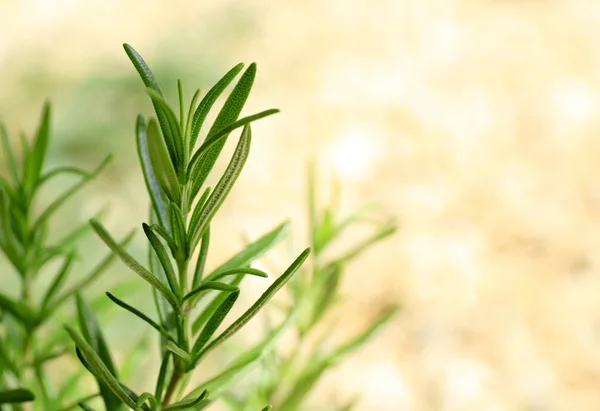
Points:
[(251, 312), (187, 404), (150, 176), (16, 396), (163, 257), (162, 163), (140, 315), (202, 216), (134, 265), (211, 285)]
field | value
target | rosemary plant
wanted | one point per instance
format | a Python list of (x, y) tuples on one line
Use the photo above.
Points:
[(285, 379), (178, 232), (30, 332)]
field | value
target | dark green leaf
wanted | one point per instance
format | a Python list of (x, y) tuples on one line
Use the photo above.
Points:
[(202, 217), (40, 147), (203, 317), (152, 183), (162, 163), (18, 395), (211, 285), (235, 271), (251, 312), (194, 166), (201, 261), (99, 368), (134, 265), (228, 114), (140, 315), (172, 346), (208, 101), (174, 142), (85, 407), (163, 257), (93, 336), (162, 375), (186, 404), (211, 327), (179, 235), (149, 81)]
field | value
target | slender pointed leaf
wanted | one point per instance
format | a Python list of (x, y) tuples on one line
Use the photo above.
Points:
[(15, 396), (163, 257), (208, 311), (175, 142), (59, 280), (150, 177), (9, 154), (211, 285), (162, 375), (187, 404), (162, 163), (251, 312), (194, 166), (100, 369), (18, 310), (140, 315), (228, 114), (149, 81), (179, 235), (134, 265), (209, 100), (201, 261), (235, 271), (202, 217), (172, 346), (211, 327)]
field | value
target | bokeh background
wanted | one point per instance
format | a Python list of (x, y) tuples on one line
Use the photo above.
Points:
[(474, 122)]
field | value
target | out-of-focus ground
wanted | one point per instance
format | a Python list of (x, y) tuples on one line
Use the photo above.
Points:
[(474, 122)]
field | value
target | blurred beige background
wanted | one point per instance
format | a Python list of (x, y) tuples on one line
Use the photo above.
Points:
[(475, 122)]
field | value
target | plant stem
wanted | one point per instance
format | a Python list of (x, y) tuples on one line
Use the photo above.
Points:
[(177, 374)]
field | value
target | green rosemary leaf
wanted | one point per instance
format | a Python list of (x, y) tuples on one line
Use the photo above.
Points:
[(254, 250), (212, 307), (15, 396), (152, 183), (38, 152), (194, 167), (92, 334), (165, 236), (85, 407), (211, 285), (162, 375), (6, 362), (18, 310), (141, 402), (251, 312), (140, 315), (304, 383), (186, 404), (9, 154), (244, 362), (162, 163), (59, 280), (211, 327), (149, 81), (134, 265), (228, 114), (202, 217), (188, 123), (208, 101), (267, 408), (163, 257), (181, 106), (235, 271), (172, 347), (179, 235), (174, 142), (98, 368), (65, 195), (384, 232), (201, 261)]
